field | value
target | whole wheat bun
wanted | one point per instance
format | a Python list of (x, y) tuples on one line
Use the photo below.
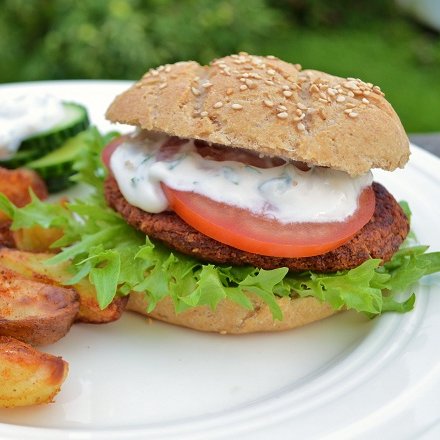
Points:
[(270, 106), (231, 318)]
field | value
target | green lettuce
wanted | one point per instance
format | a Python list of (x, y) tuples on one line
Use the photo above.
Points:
[(117, 259)]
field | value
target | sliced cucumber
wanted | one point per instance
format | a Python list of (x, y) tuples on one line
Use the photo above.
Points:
[(58, 183), (19, 159), (56, 167), (75, 120)]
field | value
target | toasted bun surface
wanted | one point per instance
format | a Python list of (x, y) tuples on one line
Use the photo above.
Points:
[(270, 106), (229, 317)]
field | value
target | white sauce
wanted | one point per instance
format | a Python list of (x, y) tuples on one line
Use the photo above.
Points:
[(284, 192), (25, 116)]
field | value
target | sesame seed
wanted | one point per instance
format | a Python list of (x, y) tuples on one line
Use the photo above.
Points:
[(323, 100), (350, 85), (195, 91), (286, 87), (203, 114), (163, 85), (350, 104), (301, 106), (245, 75), (348, 110), (282, 107), (314, 88), (367, 93), (271, 71), (340, 99), (268, 103), (365, 101), (229, 92), (298, 66), (207, 85), (271, 57), (218, 104), (269, 82), (243, 80), (299, 118), (331, 92), (243, 87), (154, 72), (353, 115), (160, 68), (282, 115), (237, 106), (287, 93), (298, 112), (350, 94), (250, 84), (301, 126)]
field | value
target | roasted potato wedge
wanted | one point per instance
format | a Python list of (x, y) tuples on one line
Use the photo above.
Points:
[(15, 185), (33, 266), (35, 239), (35, 312), (27, 376)]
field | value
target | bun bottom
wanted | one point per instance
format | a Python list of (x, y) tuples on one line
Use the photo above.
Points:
[(230, 317)]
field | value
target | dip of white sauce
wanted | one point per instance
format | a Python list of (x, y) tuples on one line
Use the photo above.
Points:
[(25, 116), (284, 193)]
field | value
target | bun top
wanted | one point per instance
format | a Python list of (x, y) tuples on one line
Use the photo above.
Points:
[(267, 105)]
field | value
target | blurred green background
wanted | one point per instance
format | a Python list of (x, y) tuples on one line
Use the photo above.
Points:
[(120, 39)]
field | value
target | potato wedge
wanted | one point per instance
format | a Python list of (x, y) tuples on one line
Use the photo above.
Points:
[(15, 185), (32, 265), (27, 376), (35, 312), (35, 239)]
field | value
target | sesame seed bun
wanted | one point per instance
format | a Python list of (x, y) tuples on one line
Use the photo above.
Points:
[(229, 317), (270, 106)]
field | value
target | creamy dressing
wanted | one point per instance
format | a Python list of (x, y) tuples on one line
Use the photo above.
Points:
[(25, 116), (284, 193)]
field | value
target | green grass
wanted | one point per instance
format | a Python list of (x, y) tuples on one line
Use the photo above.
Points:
[(380, 57)]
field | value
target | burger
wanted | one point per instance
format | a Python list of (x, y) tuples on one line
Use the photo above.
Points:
[(259, 168)]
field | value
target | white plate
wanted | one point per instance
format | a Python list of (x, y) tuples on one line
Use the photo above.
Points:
[(344, 377)]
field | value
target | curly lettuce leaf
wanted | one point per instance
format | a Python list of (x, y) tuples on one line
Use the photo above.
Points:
[(117, 259)]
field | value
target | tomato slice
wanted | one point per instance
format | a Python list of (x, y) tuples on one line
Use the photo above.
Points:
[(110, 149), (243, 230)]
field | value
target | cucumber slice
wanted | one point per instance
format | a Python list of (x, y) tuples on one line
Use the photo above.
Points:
[(76, 120), (58, 183), (56, 167), (19, 159)]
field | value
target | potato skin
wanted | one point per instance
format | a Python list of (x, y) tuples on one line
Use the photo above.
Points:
[(27, 376), (15, 185), (35, 312), (32, 266)]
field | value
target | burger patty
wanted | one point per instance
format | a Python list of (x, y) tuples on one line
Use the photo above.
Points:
[(379, 238)]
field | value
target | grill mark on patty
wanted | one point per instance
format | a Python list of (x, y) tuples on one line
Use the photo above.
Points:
[(379, 238)]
